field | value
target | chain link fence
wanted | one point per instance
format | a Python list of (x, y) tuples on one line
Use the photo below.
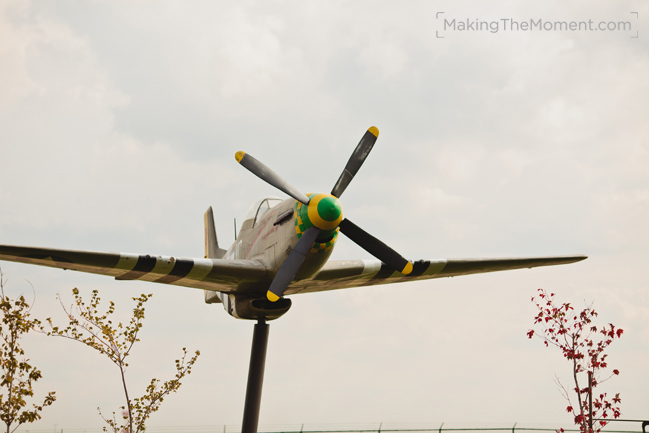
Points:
[(631, 426)]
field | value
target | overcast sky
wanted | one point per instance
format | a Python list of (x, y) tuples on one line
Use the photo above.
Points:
[(119, 122)]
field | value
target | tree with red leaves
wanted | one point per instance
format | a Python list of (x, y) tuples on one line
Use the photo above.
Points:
[(583, 345)]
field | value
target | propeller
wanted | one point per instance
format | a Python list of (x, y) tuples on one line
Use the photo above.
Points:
[(375, 247), (292, 264), (322, 214), (356, 160), (269, 176)]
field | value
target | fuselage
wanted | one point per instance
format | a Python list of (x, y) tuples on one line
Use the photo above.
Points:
[(269, 232)]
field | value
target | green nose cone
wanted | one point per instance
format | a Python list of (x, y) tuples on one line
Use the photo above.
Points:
[(329, 209)]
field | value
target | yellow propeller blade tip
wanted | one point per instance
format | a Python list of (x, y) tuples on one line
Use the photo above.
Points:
[(407, 269), (271, 296), (239, 156), (374, 130)]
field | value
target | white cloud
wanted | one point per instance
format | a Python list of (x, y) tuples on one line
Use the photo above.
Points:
[(14, 81), (118, 125)]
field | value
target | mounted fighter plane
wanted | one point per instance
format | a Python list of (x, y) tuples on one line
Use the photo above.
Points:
[(283, 248)]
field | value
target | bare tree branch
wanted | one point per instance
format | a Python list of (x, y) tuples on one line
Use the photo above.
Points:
[(18, 374), (97, 330)]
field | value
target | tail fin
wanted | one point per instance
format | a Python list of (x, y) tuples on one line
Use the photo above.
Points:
[(212, 250)]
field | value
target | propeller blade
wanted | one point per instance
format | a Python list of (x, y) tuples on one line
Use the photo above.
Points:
[(375, 247), (356, 160), (292, 264), (269, 176)]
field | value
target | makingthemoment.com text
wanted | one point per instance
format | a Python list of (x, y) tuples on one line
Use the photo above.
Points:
[(509, 24)]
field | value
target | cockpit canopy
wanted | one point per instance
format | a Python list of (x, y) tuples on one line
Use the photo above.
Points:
[(259, 208)]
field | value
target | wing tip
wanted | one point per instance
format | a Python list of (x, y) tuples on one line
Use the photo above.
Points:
[(573, 258)]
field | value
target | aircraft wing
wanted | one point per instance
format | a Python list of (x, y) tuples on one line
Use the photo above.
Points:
[(251, 276), (210, 274), (342, 274)]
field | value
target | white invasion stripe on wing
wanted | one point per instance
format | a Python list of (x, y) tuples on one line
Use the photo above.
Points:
[(126, 263), (163, 265), (371, 266), (202, 267)]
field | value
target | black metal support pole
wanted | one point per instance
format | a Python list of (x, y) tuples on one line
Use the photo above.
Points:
[(255, 377)]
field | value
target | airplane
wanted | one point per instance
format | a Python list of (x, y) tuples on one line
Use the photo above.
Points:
[(283, 248)]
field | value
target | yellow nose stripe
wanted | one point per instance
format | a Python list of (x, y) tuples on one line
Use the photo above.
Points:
[(271, 296)]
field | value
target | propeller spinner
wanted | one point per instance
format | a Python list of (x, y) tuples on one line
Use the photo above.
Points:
[(322, 214)]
